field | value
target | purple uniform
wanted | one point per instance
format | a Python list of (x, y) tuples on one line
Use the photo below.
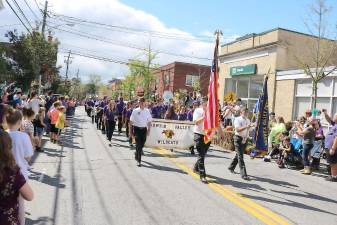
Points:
[(182, 116), (120, 107)]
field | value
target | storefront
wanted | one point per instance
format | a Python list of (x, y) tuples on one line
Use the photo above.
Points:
[(302, 92), (245, 62), (245, 84)]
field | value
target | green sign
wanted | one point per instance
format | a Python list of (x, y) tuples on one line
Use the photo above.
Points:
[(243, 70)]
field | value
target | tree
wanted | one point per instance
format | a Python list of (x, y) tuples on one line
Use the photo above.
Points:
[(32, 55), (322, 50), (141, 72), (93, 84), (128, 86)]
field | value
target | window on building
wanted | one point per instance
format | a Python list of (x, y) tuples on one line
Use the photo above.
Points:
[(326, 96), (246, 88), (167, 78), (190, 79), (243, 88)]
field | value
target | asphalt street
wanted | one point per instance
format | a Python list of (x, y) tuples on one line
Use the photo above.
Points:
[(86, 182)]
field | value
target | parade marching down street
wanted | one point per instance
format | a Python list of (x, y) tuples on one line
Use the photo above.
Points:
[(249, 138)]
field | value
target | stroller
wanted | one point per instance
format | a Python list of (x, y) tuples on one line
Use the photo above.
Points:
[(294, 158)]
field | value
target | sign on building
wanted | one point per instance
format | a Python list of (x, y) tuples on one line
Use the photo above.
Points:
[(243, 70)]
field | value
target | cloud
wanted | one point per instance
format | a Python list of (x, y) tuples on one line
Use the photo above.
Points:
[(116, 13)]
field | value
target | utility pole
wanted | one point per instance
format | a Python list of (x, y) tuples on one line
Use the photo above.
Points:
[(42, 32), (44, 18), (68, 61)]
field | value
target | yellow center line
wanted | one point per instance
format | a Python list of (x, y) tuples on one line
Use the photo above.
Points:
[(253, 208)]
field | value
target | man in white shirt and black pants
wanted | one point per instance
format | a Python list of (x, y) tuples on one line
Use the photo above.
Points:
[(141, 121), (242, 126), (201, 146)]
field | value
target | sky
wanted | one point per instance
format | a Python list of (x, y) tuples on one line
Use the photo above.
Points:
[(180, 30)]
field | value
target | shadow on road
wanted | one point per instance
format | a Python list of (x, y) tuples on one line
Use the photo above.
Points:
[(274, 182), (52, 181), (39, 221), (236, 184), (287, 202), (163, 168)]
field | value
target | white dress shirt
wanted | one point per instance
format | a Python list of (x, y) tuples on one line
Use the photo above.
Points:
[(140, 118), (197, 114), (241, 122)]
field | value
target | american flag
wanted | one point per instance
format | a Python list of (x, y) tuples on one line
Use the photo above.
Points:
[(212, 120)]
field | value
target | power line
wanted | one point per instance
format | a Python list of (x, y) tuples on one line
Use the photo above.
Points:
[(31, 9), (37, 5), (113, 42), (22, 13), (132, 30), (18, 17), (101, 58)]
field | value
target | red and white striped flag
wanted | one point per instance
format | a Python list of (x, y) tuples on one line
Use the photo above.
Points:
[(212, 120)]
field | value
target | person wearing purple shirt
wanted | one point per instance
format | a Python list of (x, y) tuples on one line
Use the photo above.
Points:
[(182, 114), (128, 112), (170, 114), (105, 119), (155, 111), (119, 109), (190, 113), (110, 120), (331, 144)]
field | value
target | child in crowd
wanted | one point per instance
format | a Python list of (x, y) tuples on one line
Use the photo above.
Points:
[(60, 123), (285, 149), (39, 126), (53, 114), (12, 184), (22, 150), (276, 147), (27, 125)]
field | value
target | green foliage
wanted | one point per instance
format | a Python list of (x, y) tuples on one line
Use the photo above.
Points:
[(141, 75), (32, 54), (196, 86), (93, 85)]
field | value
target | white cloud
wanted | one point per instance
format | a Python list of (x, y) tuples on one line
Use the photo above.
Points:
[(115, 13)]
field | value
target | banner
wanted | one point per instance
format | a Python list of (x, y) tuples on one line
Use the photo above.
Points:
[(262, 120), (170, 134)]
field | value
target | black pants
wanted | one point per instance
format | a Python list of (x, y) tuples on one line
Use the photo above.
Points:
[(106, 128), (202, 149), (92, 119), (239, 149), (99, 121), (127, 128), (140, 136), (120, 122), (111, 127)]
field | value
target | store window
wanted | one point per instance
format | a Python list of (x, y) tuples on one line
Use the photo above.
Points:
[(190, 79), (246, 88), (326, 96)]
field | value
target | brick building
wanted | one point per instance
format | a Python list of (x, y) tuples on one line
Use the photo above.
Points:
[(180, 75)]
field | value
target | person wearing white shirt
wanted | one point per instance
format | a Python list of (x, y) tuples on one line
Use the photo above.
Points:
[(141, 121), (201, 146), (34, 103), (242, 126)]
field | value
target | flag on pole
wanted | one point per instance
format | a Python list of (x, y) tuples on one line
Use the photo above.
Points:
[(262, 120), (212, 120)]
